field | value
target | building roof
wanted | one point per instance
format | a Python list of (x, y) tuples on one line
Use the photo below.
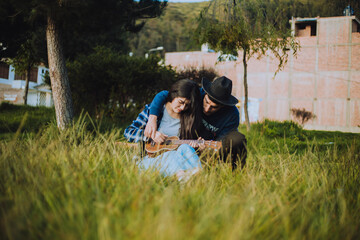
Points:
[(311, 19)]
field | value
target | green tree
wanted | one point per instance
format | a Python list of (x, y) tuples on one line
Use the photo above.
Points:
[(117, 86), (26, 58), (331, 8), (80, 18), (255, 27), (173, 30)]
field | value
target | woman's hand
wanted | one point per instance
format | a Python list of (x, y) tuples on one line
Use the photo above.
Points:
[(151, 127), (159, 137), (201, 145), (195, 144)]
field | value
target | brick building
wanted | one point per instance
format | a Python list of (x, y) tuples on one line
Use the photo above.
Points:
[(324, 78)]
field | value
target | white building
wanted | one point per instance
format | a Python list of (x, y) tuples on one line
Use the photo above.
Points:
[(12, 86)]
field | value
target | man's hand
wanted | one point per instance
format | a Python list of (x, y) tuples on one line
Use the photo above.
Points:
[(159, 137), (151, 127)]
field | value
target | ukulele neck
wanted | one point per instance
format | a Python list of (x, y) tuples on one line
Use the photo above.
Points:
[(208, 143), (178, 142)]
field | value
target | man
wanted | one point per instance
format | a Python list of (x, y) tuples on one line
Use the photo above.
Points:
[(220, 118)]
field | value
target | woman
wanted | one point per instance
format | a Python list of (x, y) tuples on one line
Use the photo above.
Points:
[(181, 117)]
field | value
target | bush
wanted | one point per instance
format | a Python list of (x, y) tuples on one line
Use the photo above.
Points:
[(105, 83), (301, 115), (275, 129), (6, 106), (197, 74), (291, 137)]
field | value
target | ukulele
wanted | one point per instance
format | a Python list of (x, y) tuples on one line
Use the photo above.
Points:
[(171, 143)]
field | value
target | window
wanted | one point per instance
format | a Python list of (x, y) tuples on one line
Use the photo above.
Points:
[(355, 26), (305, 29), (33, 75), (4, 70)]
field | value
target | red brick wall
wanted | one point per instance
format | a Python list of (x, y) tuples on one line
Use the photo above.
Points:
[(323, 79)]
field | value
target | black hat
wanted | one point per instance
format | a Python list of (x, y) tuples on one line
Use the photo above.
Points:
[(220, 90)]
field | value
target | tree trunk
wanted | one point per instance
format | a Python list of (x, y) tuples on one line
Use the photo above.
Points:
[(58, 75), (247, 122), (27, 79)]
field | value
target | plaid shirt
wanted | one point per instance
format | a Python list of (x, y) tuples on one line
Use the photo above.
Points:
[(135, 132)]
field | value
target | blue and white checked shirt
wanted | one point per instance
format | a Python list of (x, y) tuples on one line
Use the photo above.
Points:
[(135, 132)]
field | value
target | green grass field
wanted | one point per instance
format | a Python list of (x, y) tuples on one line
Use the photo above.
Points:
[(79, 184)]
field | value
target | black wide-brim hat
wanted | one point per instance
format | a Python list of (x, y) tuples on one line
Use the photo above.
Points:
[(220, 90)]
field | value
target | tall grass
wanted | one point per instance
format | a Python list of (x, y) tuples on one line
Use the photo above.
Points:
[(20, 118), (16, 119), (79, 184)]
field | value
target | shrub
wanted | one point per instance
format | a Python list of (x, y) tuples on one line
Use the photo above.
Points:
[(196, 74), (275, 129), (105, 83), (6, 106), (302, 116)]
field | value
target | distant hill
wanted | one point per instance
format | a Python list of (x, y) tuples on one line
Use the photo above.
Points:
[(174, 30)]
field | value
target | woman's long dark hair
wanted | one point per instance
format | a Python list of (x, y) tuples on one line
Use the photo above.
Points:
[(190, 119)]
